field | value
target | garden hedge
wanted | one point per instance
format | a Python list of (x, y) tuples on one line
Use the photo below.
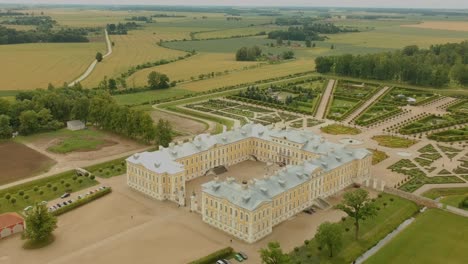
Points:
[(213, 257)]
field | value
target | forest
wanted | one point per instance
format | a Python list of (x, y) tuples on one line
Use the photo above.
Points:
[(47, 110), (121, 28), (308, 32), (436, 66)]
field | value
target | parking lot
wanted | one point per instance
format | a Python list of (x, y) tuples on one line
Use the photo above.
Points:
[(126, 226)]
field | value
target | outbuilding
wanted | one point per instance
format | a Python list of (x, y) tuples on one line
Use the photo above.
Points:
[(75, 125), (11, 223)]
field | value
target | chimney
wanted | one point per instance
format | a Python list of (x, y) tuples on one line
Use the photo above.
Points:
[(245, 185)]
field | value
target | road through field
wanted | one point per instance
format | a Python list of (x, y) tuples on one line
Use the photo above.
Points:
[(94, 63), (366, 104), (325, 98)]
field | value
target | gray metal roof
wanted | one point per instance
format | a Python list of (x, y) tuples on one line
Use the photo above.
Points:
[(164, 160)]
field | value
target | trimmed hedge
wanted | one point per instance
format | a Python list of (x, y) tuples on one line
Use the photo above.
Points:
[(213, 257), (82, 201)]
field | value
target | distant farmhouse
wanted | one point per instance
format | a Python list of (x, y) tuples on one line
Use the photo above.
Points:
[(313, 169)]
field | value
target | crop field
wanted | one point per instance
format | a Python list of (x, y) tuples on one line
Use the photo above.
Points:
[(228, 33), (442, 25), (21, 162), (185, 70), (149, 96), (30, 66), (251, 75), (138, 47)]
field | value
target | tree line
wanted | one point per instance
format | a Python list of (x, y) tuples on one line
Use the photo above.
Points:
[(436, 66), (121, 28), (13, 36), (248, 53), (47, 110)]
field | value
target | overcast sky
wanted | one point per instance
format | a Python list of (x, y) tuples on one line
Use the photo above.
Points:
[(344, 3)]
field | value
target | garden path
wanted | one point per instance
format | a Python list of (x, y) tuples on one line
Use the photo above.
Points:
[(357, 112), (325, 98)]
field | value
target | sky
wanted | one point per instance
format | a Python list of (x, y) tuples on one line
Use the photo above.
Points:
[(455, 4)]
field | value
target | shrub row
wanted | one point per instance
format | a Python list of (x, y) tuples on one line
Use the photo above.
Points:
[(276, 106), (378, 118), (457, 121), (427, 100), (213, 257), (82, 201)]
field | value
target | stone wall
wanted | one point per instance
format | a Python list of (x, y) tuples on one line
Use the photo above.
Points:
[(412, 197)]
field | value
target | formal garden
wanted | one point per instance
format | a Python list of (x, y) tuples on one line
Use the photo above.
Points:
[(460, 107), (377, 112), (450, 135), (347, 97), (16, 198), (417, 178), (301, 96), (402, 96), (309, 122), (433, 122)]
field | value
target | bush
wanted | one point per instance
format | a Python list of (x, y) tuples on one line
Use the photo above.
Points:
[(36, 188), (21, 193), (26, 197), (7, 196), (92, 177), (343, 218), (306, 242), (82, 201), (213, 257), (296, 249), (41, 193)]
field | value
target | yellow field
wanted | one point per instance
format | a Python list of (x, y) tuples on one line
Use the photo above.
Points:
[(20, 27), (226, 33), (29, 66), (192, 67), (265, 72), (442, 25), (138, 47)]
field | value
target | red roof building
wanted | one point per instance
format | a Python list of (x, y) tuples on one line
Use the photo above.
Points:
[(11, 223)]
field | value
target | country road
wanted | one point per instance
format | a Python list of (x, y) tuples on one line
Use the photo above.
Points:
[(325, 97), (94, 63)]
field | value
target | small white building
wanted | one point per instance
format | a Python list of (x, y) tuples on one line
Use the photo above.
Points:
[(75, 125)]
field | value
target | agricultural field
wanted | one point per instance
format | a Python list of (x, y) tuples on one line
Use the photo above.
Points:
[(443, 244), (236, 32), (30, 66), (191, 68), (21, 162), (150, 96), (347, 97), (442, 25)]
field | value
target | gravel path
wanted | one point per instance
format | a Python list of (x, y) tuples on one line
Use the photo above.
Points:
[(94, 63)]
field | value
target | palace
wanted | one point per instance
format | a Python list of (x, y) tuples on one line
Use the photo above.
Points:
[(312, 169)]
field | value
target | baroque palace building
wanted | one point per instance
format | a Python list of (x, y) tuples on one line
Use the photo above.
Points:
[(313, 169)]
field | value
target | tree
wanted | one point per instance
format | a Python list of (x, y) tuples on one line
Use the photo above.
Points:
[(279, 41), (357, 205), (329, 235), (112, 84), (308, 43), (99, 57), (163, 135), (39, 224), (273, 254), (5, 127), (158, 80)]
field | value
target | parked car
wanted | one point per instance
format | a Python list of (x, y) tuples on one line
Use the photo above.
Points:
[(219, 262), (70, 201), (65, 203), (65, 195), (59, 205), (243, 255), (238, 257), (225, 261)]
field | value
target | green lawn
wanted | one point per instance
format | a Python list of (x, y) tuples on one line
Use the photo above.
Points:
[(336, 129), (372, 230), (394, 142), (108, 169), (45, 186), (378, 156), (438, 192), (149, 96), (436, 237), (69, 141)]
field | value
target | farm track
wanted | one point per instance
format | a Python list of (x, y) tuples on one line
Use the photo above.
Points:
[(357, 112), (325, 98), (94, 63)]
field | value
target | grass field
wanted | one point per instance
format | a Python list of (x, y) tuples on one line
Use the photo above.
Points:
[(435, 237), (394, 142), (149, 96), (337, 129), (203, 63), (19, 162), (29, 66), (371, 231), (449, 196)]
